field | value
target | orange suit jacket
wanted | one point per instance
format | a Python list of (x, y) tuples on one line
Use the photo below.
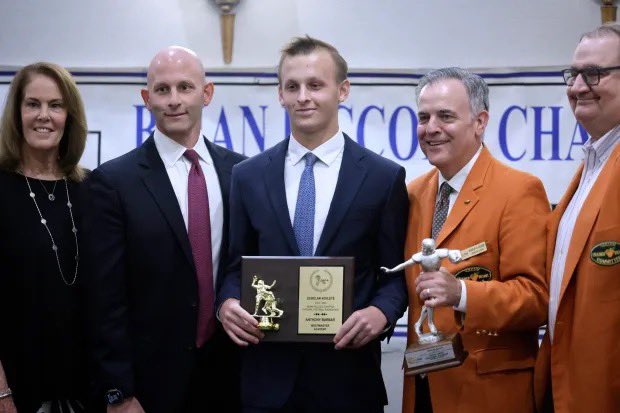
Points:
[(507, 209), (583, 363)]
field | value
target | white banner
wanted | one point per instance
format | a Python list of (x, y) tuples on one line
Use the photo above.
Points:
[(531, 125)]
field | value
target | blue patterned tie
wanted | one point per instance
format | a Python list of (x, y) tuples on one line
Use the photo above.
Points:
[(303, 223)]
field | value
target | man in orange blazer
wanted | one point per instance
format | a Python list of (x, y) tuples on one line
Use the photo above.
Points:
[(578, 368), (497, 299)]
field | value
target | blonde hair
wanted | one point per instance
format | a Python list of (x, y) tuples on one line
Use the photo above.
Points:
[(305, 46), (73, 141)]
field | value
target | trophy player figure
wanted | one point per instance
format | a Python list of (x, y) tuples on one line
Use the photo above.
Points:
[(430, 260)]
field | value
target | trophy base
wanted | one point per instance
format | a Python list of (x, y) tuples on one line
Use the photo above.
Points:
[(434, 352), (266, 324)]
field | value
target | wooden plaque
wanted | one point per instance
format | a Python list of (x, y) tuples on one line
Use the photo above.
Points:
[(308, 297)]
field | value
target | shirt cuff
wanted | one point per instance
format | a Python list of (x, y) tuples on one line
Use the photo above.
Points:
[(462, 307)]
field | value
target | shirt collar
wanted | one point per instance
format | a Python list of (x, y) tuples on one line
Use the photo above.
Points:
[(603, 146), (327, 152), (457, 181), (171, 151)]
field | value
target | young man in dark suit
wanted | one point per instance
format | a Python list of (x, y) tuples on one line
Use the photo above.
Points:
[(158, 247), (358, 207)]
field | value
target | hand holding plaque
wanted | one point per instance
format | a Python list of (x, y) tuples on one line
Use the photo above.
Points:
[(433, 350), (297, 299)]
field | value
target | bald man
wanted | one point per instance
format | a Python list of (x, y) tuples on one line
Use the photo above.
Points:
[(157, 247)]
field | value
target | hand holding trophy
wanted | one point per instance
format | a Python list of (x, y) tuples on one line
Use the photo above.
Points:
[(433, 350)]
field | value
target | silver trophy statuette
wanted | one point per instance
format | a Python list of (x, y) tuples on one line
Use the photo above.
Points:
[(430, 260), (432, 351)]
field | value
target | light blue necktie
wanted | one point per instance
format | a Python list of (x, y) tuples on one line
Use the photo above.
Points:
[(303, 223)]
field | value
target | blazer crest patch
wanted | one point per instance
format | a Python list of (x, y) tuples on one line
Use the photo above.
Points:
[(606, 253), (475, 274)]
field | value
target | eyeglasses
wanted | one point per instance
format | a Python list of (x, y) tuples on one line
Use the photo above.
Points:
[(590, 75)]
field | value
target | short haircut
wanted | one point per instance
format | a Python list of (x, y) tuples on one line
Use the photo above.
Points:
[(73, 141), (305, 46), (607, 29), (477, 88)]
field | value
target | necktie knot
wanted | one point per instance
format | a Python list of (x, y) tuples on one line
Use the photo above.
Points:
[(192, 156), (445, 190), (310, 159)]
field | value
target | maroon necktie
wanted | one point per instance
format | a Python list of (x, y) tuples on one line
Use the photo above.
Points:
[(199, 231)]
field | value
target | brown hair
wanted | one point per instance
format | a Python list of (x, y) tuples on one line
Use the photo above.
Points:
[(73, 140), (307, 45)]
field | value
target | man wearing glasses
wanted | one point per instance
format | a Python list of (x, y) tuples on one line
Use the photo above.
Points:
[(578, 367)]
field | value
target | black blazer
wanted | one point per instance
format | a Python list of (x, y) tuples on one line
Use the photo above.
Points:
[(143, 294), (367, 219)]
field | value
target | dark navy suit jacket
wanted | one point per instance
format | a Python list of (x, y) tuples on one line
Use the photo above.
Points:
[(143, 285), (366, 220)]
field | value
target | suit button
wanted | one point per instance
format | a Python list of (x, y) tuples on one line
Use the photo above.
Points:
[(190, 348), (194, 304)]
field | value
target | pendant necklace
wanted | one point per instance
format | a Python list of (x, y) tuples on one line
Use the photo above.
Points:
[(73, 229), (50, 195)]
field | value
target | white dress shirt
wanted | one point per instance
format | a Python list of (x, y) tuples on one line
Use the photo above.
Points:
[(596, 154), (177, 168), (326, 170), (456, 182)]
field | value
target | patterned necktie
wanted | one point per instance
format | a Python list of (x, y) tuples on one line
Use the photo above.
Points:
[(303, 223), (199, 232), (441, 209)]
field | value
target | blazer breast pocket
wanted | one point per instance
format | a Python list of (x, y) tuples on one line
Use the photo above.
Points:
[(362, 213), (482, 266), (603, 263)]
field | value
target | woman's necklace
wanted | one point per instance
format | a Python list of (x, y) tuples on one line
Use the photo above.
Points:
[(74, 230), (50, 195)]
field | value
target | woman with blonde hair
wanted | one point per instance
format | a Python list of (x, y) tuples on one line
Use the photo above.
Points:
[(43, 346)]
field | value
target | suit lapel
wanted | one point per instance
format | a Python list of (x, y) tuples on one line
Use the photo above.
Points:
[(427, 208), (350, 177), (467, 197), (158, 184), (586, 218), (223, 168), (274, 186), (556, 216)]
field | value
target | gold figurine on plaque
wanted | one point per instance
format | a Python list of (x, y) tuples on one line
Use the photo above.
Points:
[(433, 350), (265, 295)]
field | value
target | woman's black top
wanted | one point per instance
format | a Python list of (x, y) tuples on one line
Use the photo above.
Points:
[(42, 326)]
